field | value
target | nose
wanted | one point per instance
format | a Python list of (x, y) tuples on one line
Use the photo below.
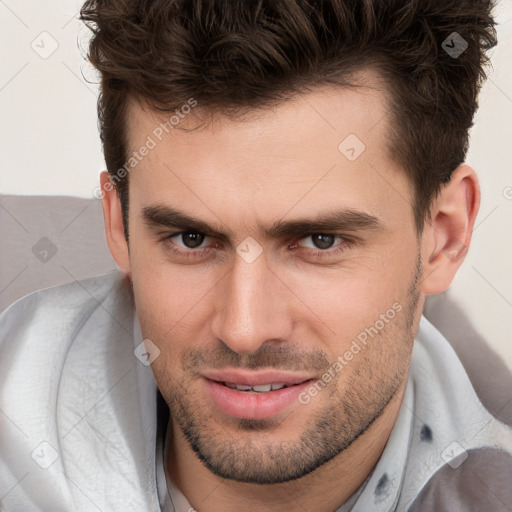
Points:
[(254, 306)]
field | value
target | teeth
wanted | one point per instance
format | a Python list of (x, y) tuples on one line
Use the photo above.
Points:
[(262, 388), (242, 387)]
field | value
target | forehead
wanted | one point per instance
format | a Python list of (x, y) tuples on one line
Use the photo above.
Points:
[(356, 109), (328, 146)]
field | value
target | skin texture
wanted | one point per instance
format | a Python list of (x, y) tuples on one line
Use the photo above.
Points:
[(298, 306)]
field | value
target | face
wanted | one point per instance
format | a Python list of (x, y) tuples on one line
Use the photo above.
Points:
[(275, 265)]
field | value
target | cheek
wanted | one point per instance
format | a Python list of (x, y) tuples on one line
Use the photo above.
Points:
[(171, 301), (363, 306), (352, 295)]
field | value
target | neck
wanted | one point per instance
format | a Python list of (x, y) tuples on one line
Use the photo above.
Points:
[(323, 490)]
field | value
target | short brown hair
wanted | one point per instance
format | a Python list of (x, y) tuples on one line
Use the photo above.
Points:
[(232, 55)]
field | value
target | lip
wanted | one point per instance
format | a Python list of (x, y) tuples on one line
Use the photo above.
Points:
[(255, 406), (251, 378)]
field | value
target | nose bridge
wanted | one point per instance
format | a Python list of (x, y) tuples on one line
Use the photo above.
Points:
[(251, 310)]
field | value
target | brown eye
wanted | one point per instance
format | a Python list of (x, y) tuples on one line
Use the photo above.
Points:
[(191, 245), (323, 246), (322, 241), (190, 239)]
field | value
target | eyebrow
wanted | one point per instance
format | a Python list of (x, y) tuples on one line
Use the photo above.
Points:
[(339, 220)]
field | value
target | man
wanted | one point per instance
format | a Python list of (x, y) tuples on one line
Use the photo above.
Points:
[(285, 185)]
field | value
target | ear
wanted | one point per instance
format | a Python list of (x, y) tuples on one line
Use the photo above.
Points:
[(446, 238), (114, 228)]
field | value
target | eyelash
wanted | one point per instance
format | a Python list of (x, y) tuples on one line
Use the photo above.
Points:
[(346, 243)]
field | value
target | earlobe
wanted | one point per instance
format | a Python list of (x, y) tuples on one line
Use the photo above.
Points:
[(114, 228), (446, 238)]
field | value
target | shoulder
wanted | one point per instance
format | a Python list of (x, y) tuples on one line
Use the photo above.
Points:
[(478, 480), (38, 331), (55, 309), (460, 455), (55, 366)]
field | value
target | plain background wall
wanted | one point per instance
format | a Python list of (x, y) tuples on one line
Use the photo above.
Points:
[(49, 142)]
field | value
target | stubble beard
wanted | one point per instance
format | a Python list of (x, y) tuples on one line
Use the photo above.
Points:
[(254, 457)]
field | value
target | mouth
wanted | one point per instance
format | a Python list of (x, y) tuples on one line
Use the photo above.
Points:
[(252, 395), (262, 388)]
